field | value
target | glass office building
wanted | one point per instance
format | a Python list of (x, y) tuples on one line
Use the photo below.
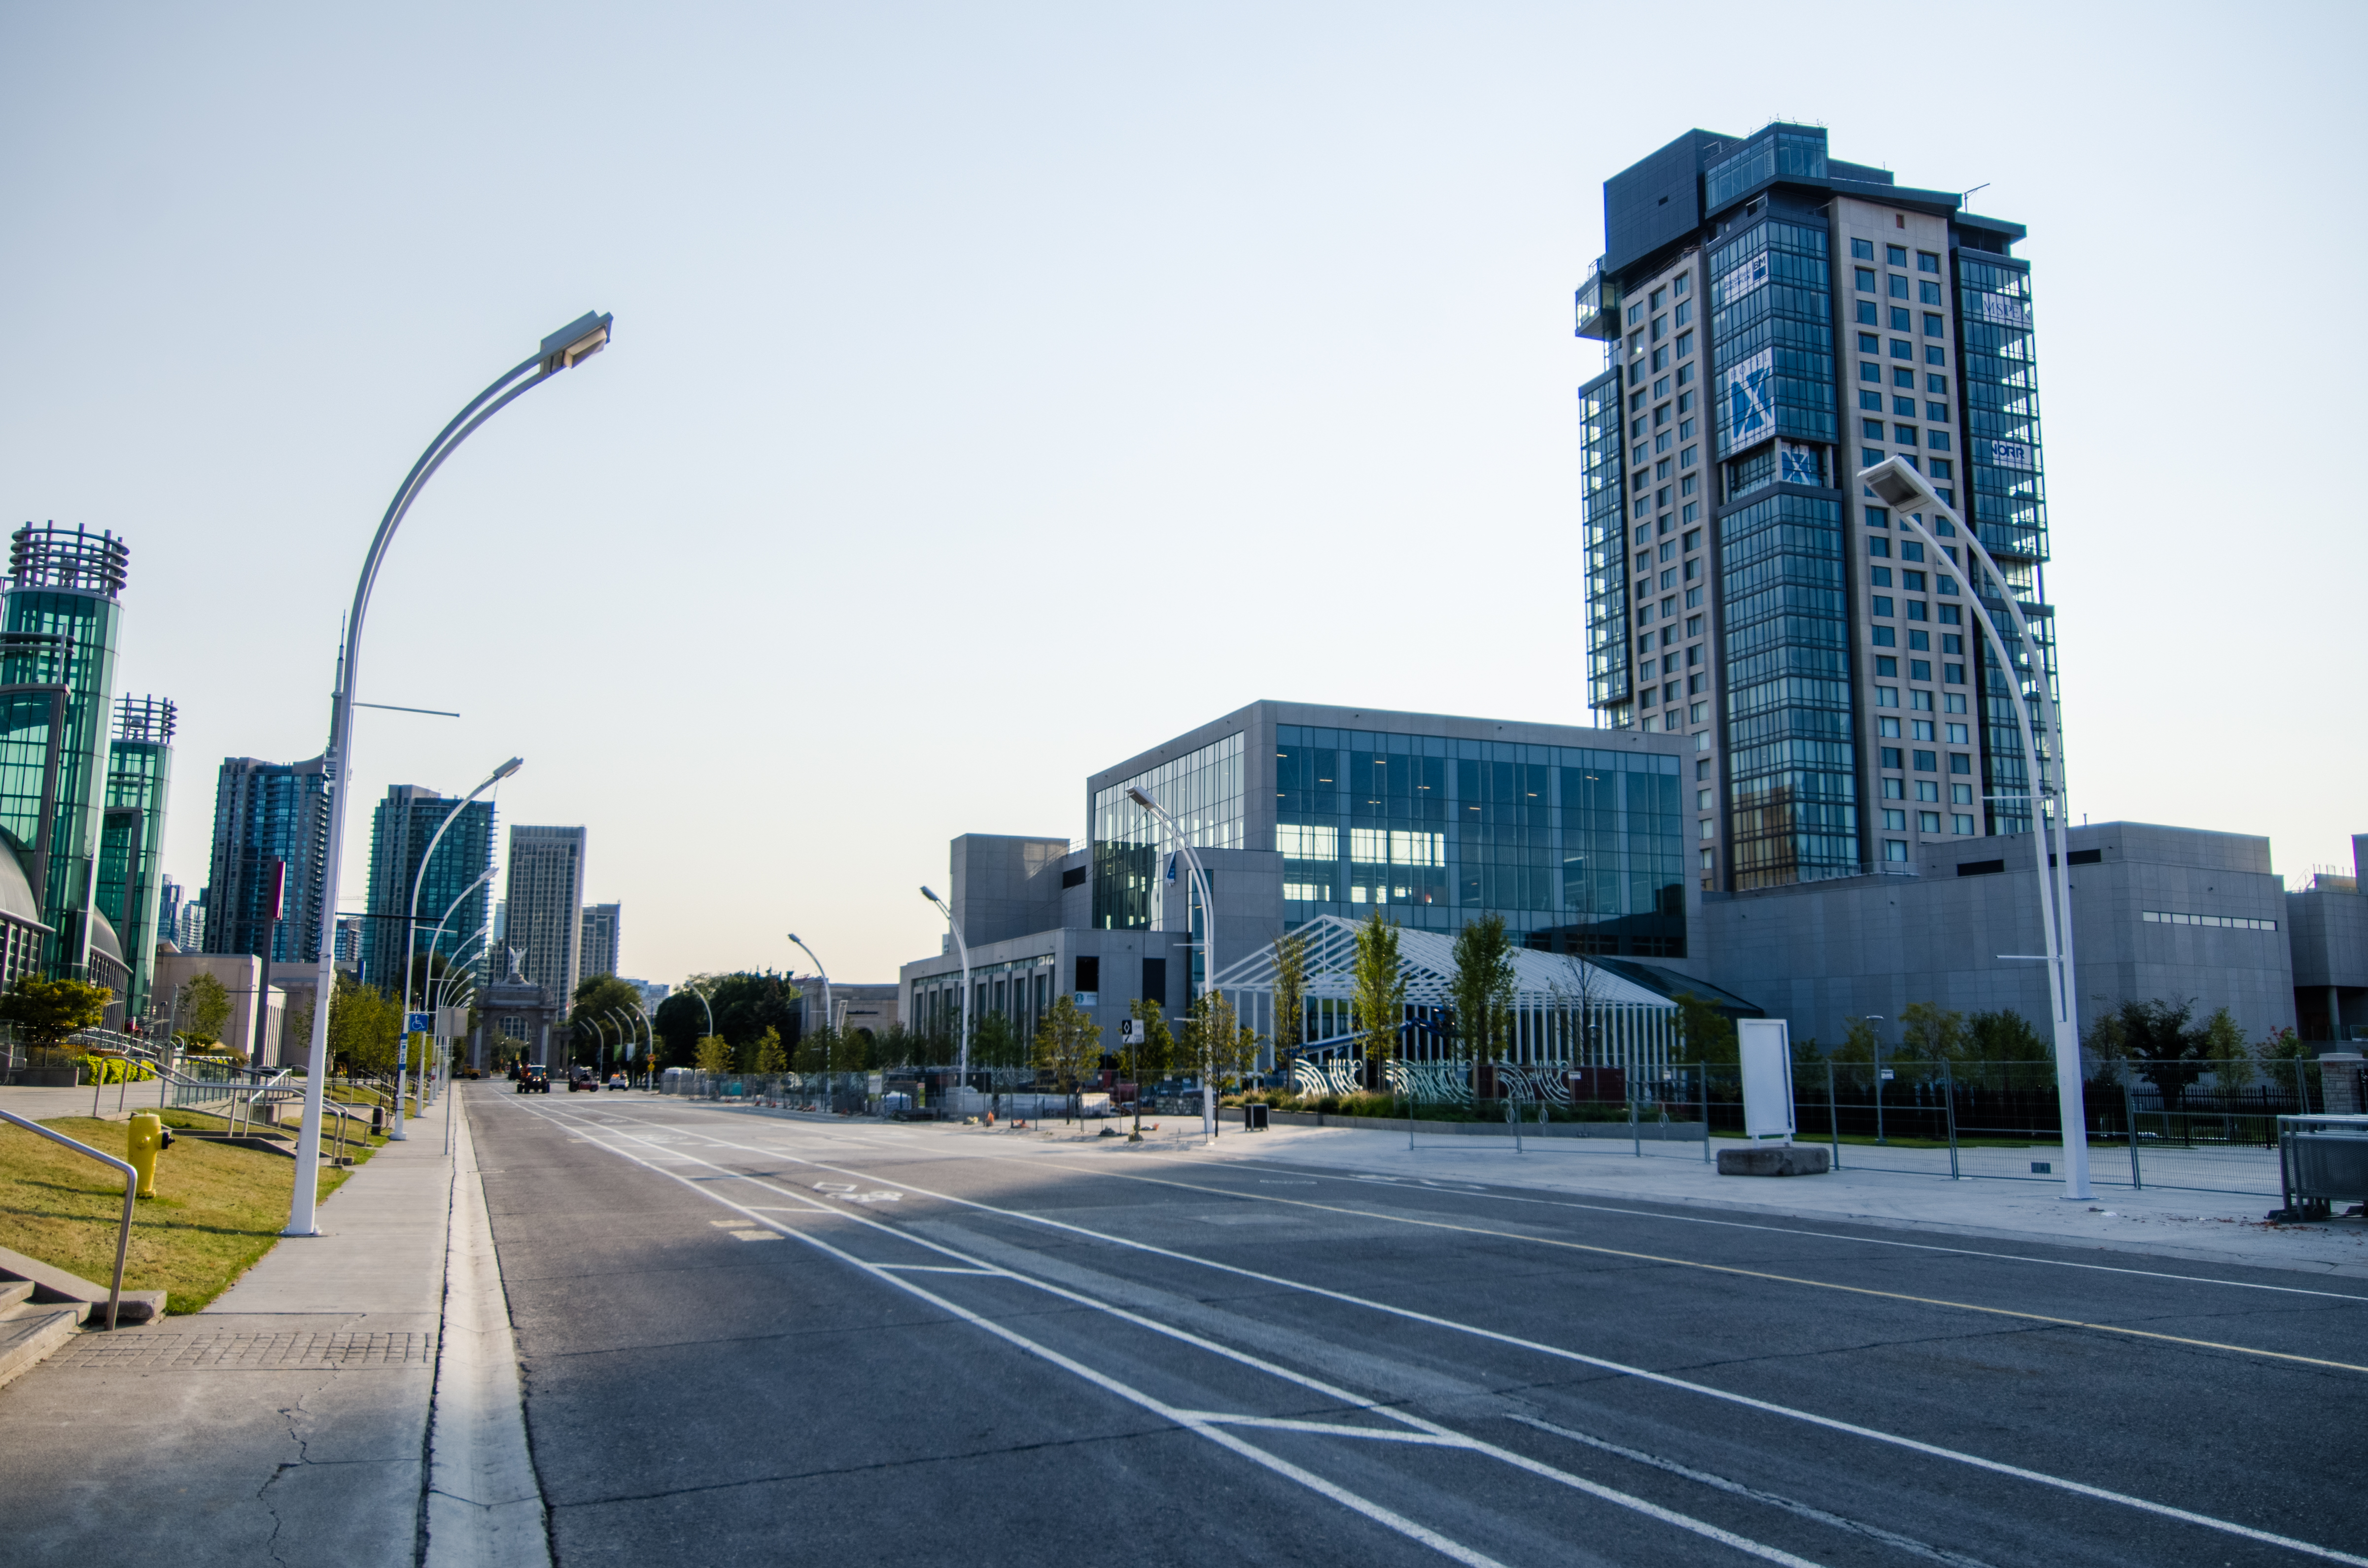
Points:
[(266, 812), (404, 822), (1575, 836), (132, 844), (1775, 320)]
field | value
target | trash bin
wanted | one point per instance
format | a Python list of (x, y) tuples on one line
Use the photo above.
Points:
[(1254, 1117)]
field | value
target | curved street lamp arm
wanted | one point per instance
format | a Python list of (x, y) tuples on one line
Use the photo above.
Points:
[(829, 1019), (962, 950)]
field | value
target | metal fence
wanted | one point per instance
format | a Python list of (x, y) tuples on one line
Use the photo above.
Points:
[(2162, 1124)]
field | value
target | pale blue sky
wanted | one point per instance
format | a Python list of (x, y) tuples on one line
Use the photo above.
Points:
[(998, 391)]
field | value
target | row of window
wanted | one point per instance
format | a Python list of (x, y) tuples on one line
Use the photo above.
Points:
[(1676, 288), (1934, 468), (1905, 434), (1920, 700), (1925, 762), (2231, 922), (1900, 319), (1901, 407), (1901, 348), (1928, 790), (1927, 292), (1880, 576), (1934, 384), (1926, 822), (1921, 669), (1921, 730), (1895, 256)]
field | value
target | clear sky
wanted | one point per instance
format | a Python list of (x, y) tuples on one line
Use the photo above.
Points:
[(999, 390)]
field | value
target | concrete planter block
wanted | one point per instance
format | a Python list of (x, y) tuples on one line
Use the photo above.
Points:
[(1774, 1160)]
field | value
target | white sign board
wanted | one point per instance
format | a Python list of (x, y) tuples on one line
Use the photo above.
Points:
[(1766, 1050), (1750, 397), (1131, 1032)]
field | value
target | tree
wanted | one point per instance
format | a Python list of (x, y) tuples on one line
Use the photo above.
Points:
[(996, 1043), (2005, 1036), (1705, 1035), (2284, 1045), (1379, 998), (2160, 1041), (714, 1054), (1927, 1032), (814, 1051), (1483, 987), (1860, 1042), (47, 1012), (2225, 1052), (744, 1004), (1148, 1060), (365, 1026), (1290, 996), (772, 1059), (850, 1050), (603, 1003), (1068, 1043), (204, 1008)]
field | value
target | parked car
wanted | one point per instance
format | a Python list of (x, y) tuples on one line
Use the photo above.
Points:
[(533, 1081), (617, 1081)]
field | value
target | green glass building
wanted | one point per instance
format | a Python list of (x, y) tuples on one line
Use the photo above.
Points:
[(131, 839)]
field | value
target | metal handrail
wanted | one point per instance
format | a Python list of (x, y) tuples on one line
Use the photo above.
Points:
[(130, 1193), (266, 1087)]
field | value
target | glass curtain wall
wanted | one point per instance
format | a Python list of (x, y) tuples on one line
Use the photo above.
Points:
[(1436, 830), (1607, 655), (1202, 790), (2000, 392), (1791, 747), (80, 629)]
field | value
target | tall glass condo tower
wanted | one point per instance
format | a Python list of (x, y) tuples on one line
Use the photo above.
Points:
[(1774, 319)]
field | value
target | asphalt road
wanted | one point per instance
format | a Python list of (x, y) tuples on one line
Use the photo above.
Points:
[(759, 1340)]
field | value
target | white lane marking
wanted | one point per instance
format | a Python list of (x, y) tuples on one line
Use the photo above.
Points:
[(1998, 1466), (1385, 1518), (1773, 1499), (1439, 1435)]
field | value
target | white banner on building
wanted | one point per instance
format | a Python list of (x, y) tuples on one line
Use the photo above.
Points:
[(1750, 400), (2013, 454), (2005, 310), (1742, 280)]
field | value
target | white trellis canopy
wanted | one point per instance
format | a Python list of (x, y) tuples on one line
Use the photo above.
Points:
[(1565, 1008)]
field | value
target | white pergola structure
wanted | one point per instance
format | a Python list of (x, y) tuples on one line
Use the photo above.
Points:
[(1566, 1011)]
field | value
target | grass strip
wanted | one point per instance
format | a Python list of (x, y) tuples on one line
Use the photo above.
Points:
[(219, 1208)]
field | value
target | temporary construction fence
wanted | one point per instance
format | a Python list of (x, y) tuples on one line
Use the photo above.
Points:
[(2165, 1124)]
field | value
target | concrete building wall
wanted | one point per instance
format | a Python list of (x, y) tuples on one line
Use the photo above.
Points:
[(1004, 885), (1822, 953), (239, 974)]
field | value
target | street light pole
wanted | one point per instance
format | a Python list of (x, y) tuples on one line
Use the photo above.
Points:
[(562, 350), (411, 922), (1876, 1018), (961, 950), (1904, 490), (1207, 945), (829, 1020), (650, 1028)]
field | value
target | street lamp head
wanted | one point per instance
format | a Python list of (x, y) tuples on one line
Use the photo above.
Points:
[(1138, 797), (506, 769), (927, 894), (576, 342), (793, 937), (1899, 486)]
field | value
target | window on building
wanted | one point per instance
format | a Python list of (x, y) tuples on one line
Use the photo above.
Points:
[(1686, 459), (1887, 728), (1927, 762), (1896, 255), (1904, 406), (1701, 768), (1951, 643), (1871, 429), (1927, 822), (1891, 760), (1928, 788), (1942, 467), (1884, 637), (1868, 370), (1882, 606), (1677, 289), (1920, 700), (1905, 434), (1661, 357), (1863, 250), (1703, 803), (1885, 664), (1685, 375), (1661, 389), (1933, 327), (1939, 387), (1880, 576), (1938, 413), (1962, 822), (1872, 401), (1693, 625), (1685, 344), (1685, 402), (1912, 550), (1895, 849), (1960, 794), (1937, 441), (1904, 379), (1960, 762), (1919, 669), (1927, 262), (1660, 297), (1902, 349), (1914, 610), (1636, 312), (1953, 702), (1902, 319), (1933, 354), (1868, 314), (1668, 550), (1865, 279), (1694, 540), (1927, 293), (1959, 735), (1953, 675), (1912, 581), (1878, 518), (1894, 821), (1877, 547), (1868, 343), (1886, 696), (1899, 286), (1685, 311), (1693, 508)]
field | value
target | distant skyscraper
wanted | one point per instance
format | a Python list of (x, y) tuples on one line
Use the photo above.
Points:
[(602, 927), (266, 812), (406, 821), (543, 916), (1777, 320), (132, 840)]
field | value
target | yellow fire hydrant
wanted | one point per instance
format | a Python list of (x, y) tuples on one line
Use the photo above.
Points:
[(148, 1138)]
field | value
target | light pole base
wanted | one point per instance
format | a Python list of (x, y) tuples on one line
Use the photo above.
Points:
[(292, 1231)]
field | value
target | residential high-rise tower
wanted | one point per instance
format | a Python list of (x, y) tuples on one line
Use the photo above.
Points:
[(603, 924), (266, 812), (1776, 320), (543, 907), (400, 831)]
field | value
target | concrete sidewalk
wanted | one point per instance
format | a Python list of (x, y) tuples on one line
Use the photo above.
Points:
[(1912, 1191), (285, 1423)]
